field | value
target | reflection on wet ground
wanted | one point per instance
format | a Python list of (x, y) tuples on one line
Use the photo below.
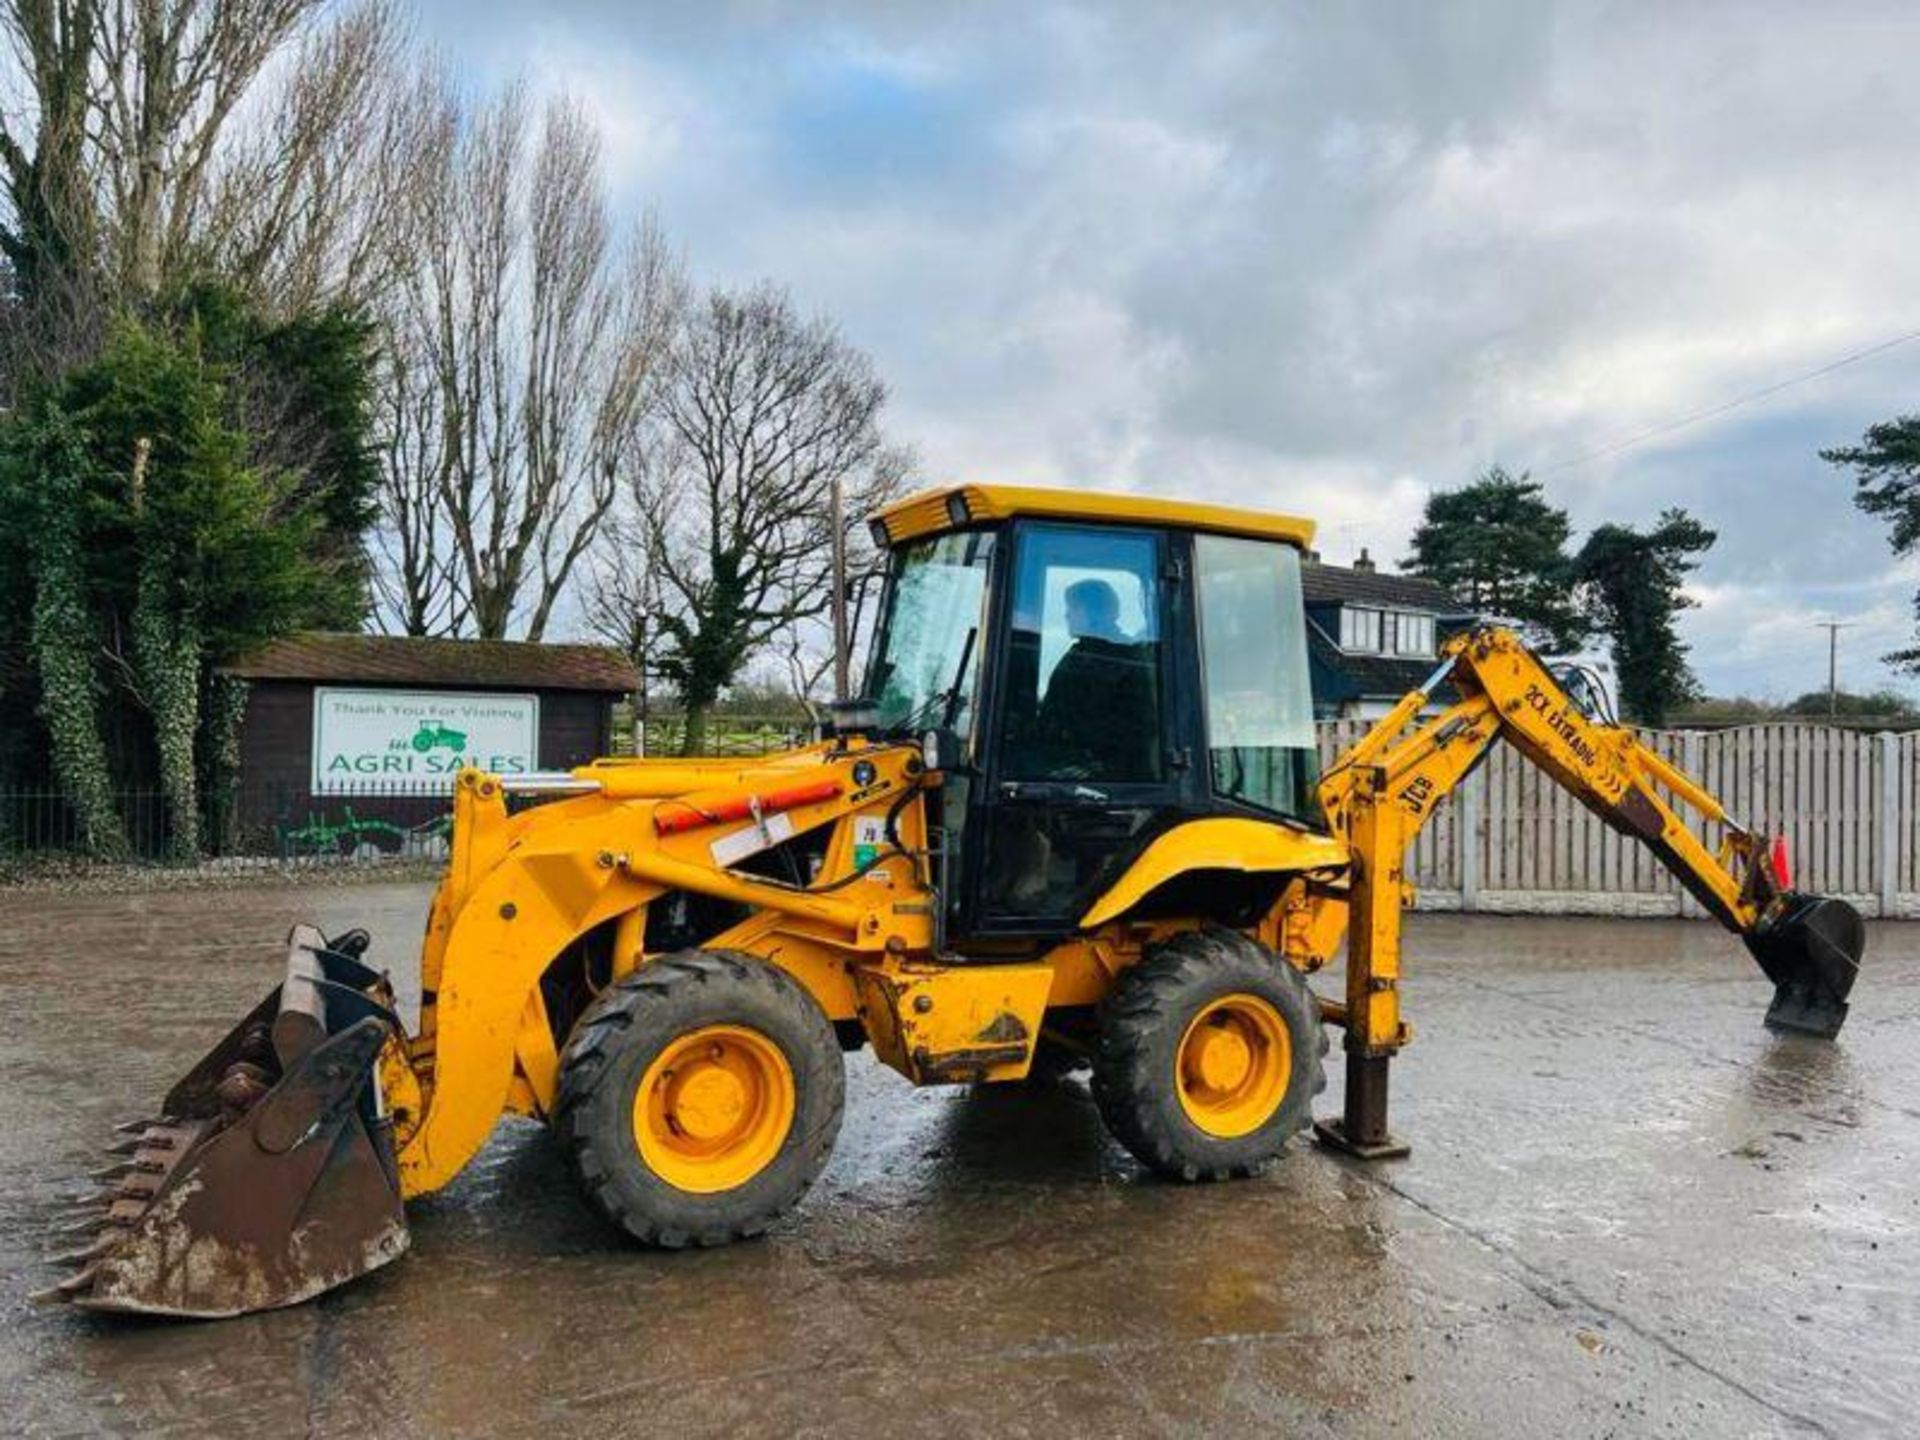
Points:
[(1629, 1210)]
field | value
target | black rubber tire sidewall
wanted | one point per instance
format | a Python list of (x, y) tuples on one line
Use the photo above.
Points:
[(622, 1034), (1141, 1025)]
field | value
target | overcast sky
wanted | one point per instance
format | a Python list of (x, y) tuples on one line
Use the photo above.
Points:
[(1324, 258)]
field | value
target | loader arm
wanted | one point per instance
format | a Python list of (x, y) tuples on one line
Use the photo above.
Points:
[(1379, 793)]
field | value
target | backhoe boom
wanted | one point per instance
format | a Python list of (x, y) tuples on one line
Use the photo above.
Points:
[(1379, 794)]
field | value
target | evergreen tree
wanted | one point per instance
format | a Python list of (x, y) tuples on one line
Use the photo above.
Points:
[(301, 389), (148, 549), (1497, 545), (1631, 585), (1886, 479)]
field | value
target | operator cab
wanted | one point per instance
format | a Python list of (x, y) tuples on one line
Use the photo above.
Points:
[(1097, 670)]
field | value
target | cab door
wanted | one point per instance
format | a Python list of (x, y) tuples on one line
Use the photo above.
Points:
[(1087, 751)]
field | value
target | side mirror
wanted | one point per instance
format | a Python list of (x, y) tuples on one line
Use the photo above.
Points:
[(853, 717), (943, 750)]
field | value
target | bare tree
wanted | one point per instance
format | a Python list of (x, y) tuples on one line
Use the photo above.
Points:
[(761, 411), (170, 74), (416, 590), (622, 592), (539, 340), (305, 206), (51, 224), (622, 601), (806, 662), (144, 142)]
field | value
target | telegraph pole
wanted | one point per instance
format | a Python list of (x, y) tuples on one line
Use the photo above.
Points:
[(1833, 629), (837, 508)]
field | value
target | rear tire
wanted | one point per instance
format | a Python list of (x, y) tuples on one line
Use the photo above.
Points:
[(1209, 1057), (699, 1098)]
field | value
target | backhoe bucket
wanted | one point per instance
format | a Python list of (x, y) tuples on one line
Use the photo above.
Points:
[(1810, 947), (269, 1177)]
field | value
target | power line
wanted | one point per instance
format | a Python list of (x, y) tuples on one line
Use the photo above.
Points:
[(1668, 427)]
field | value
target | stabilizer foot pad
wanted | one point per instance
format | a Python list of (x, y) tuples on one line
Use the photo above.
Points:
[(1333, 1134)]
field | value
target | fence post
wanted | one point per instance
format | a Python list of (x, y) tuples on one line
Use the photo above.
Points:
[(1690, 748), (1886, 830), (1466, 842)]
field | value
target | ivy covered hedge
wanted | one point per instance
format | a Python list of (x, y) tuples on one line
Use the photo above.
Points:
[(158, 518)]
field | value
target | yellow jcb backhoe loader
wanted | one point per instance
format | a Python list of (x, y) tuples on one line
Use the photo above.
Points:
[(1078, 819)]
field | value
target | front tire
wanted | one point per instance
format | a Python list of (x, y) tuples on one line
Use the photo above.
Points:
[(1210, 1053), (699, 1098)]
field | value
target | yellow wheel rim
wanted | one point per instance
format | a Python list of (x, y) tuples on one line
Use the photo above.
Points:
[(1233, 1067), (714, 1108)]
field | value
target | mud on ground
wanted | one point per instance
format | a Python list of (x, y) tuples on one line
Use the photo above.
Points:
[(1630, 1210)]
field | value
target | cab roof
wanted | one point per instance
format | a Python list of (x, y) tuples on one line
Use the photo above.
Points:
[(948, 507)]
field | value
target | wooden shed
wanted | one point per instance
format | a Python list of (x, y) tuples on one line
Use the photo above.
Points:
[(342, 727)]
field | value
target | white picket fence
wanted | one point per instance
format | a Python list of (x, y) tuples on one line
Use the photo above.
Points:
[(1510, 840)]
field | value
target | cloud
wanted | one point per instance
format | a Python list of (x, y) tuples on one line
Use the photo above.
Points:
[(1323, 258)]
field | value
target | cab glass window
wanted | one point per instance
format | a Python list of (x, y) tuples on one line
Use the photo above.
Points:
[(1253, 650), (1084, 657), (931, 636)]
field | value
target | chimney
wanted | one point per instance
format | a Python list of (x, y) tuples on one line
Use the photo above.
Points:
[(1365, 563), (1312, 557)]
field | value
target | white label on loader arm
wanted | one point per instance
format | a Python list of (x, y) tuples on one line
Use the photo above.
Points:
[(869, 834), (751, 840)]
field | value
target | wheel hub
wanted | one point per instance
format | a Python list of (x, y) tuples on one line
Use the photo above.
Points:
[(706, 1103), (1234, 1065), (714, 1108), (1222, 1059)]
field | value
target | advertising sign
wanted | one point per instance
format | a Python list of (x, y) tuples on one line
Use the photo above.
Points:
[(372, 741)]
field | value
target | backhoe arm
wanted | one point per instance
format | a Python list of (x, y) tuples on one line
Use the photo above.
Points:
[(1379, 794)]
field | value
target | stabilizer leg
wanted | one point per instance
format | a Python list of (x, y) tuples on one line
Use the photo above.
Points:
[(1372, 1010), (1361, 1129)]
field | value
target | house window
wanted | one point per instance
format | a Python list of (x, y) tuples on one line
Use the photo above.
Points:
[(1385, 632), (1360, 630), (1413, 634)]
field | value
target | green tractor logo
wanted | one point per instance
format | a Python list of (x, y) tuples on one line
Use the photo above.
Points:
[(432, 735)]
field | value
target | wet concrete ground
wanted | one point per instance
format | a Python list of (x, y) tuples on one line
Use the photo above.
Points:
[(1630, 1210)]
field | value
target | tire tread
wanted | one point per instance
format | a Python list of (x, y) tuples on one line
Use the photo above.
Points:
[(1133, 1096), (586, 1063)]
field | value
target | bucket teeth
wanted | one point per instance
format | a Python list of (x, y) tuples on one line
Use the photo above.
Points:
[(134, 1127), (128, 1169), (93, 1212), (136, 1143), (83, 1220), (108, 1239), (68, 1289)]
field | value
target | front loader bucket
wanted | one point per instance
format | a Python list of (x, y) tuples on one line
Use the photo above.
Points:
[(269, 1177), (1810, 947)]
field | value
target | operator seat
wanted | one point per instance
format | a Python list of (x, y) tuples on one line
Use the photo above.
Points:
[(1099, 718)]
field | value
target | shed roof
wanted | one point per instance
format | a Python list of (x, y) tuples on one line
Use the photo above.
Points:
[(324, 655)]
